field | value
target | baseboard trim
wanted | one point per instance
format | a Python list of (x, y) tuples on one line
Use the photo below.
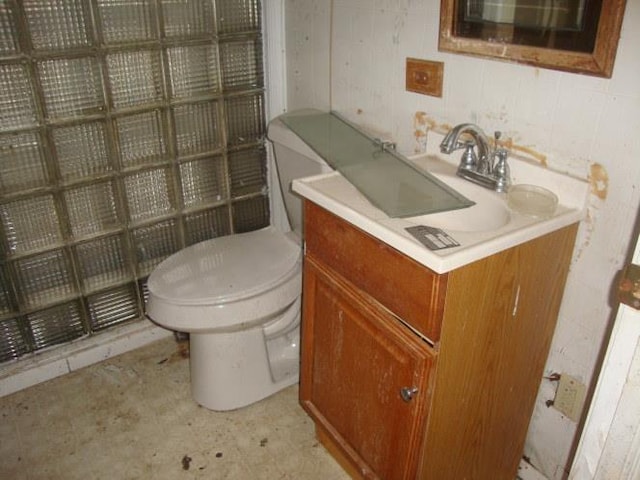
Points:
[(61, 360)]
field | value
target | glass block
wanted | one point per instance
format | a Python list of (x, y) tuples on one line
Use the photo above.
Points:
[(141, 138), (81, 150), (30, 224), (16, 98), (92, 209), (197, 129), (250, 214), (153, 244), (188, 18), (238, 16), (55, 325), (71, 86), (135, 78), (143, 290), (102, 262), (248, 172), (193, 70), (58, 24), (203, 182), (241, 63), (21, 164), (208, 224), (126, 21), (245, 119), (113, 307), (12, 342), (8, 35), (7, 304), (149, 194), (45, 278)]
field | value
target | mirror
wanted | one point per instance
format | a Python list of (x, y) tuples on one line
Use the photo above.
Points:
[(572, 35)]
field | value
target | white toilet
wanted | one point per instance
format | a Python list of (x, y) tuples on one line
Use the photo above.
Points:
[(239, 297)]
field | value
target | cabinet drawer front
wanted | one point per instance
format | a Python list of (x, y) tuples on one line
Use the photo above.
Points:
[(407, 289)]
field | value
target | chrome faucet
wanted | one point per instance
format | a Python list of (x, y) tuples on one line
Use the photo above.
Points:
[(488, 167)]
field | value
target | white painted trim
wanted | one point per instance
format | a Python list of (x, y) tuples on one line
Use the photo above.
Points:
[(276, 96), (275, 67), (617, 368), (61, 360)]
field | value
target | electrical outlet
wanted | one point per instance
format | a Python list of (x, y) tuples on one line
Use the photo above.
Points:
[(424, 76), (570, 397)]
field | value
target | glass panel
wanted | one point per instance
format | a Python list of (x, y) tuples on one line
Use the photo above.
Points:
[(81, 150), (390, 182), (238, 16), (148, 194), (194, 70), (250, 214), (141, 139), (153, 244), (21, 162), (135, 78), (30, 224), (16, 100), (113, 307), (71, 87), (92, 209), (55, 24), (247, 169), (203, 182), (245, 119), (188, 19), (202, 226), (56, 325), (197, 128), (8, 34), (45, 278), (127, 20), (102, 262), (241, 65)]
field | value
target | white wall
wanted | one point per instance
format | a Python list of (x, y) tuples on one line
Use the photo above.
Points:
[(349, 55)]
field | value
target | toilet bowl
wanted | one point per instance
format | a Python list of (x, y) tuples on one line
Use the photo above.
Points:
[(238, 296)]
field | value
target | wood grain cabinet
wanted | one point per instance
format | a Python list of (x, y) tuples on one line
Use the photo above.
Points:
[(409, 374)]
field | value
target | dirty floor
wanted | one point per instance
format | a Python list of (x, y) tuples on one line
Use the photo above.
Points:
[(132, 417)]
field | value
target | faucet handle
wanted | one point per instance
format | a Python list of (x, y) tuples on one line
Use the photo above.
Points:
[(469, 158), (501, 170)]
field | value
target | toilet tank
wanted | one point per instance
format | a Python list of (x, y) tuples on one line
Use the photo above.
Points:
[(294, 159)]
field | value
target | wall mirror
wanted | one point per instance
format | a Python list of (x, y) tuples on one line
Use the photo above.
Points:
[(572, 35)]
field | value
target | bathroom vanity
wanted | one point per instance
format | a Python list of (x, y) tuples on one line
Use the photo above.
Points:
[(409, 373), (422, 356)]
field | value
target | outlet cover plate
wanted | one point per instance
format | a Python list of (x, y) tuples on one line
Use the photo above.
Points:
[(570, 397), (424, 76)]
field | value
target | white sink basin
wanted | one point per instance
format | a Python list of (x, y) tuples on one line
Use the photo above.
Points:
[(480, 230), (489, 213)]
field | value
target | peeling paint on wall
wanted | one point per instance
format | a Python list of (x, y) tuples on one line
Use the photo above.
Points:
[(599, 180), (421, 125)]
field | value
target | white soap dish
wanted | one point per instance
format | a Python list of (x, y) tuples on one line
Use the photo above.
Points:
[(532, 200)]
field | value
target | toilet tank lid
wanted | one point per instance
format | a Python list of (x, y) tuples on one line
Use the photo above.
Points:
[(226, 269)]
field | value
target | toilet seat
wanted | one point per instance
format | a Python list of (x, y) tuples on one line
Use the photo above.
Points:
[(226, 282)]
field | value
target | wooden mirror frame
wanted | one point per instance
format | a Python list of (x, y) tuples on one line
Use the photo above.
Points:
[(598, 63)]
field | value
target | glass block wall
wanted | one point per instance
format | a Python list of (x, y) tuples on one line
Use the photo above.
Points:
[(129, 129)]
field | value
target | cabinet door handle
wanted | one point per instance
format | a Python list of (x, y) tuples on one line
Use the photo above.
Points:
[(407, 393)]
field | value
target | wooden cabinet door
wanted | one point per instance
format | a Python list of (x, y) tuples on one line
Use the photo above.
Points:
[(356, 359)]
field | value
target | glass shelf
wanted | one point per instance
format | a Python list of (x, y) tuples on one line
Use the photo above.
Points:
[(386, 178)]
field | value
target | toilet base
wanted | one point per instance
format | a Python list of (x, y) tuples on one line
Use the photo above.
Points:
[(232, 370)]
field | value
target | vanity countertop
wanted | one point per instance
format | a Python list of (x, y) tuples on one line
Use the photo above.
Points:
[(336, 194)]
